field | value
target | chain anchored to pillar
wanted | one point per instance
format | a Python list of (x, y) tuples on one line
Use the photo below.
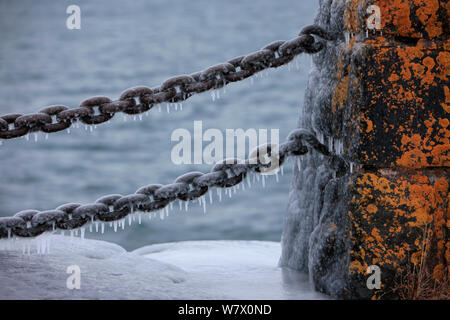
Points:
[(97, 110), (193, 185)]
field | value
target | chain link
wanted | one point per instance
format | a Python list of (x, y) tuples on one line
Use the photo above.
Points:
[(97, 110), (193, 185)]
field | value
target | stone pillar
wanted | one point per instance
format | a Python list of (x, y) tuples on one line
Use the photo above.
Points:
[(381, 100)]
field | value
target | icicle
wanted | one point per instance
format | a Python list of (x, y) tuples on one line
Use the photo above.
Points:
[(27, 137), (351, 167), (9, 233), (159, 108), (35, 136), (229, 192), (263, 179), (96, 226), (181, 106), (82, 231), (168, 108), (115, 226), (367, 33), (297, 66), (213, 96), (123, 223), (219, 193), (90, 227), (103, 228), (139, 218), (347, 37), (186, 205), (171, 205), (53, 225), (276, 177), (161, 214), (204, 204), (179, 203), (218, 94), (210, 197), (249, 183), (299, 165)]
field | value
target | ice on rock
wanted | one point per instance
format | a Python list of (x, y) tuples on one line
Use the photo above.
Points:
[(181, 270)]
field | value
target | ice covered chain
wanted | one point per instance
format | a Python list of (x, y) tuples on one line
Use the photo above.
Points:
[(154, 197), (137, 100)]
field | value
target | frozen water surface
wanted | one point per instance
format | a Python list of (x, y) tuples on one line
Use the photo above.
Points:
[(180, 270)]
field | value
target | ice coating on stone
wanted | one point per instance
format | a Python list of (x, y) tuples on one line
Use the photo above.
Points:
[(316, 200)]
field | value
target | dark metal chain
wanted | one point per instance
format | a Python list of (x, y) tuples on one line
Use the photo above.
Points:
[(137, 100), (193, 185)]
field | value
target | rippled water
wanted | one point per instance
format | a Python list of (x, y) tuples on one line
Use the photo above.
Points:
[(127, 43)]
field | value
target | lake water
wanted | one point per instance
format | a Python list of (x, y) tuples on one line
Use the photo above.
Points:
[(127, 43)]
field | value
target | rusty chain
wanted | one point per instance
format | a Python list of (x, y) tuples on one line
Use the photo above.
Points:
[(193, 185), (97, 110)]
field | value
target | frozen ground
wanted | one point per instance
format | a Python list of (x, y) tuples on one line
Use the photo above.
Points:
[(180, 270)]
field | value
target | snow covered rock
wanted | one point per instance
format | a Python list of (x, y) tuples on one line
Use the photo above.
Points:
[(183, 270)]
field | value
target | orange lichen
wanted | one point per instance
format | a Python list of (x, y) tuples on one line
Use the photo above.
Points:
[(408, 206), (428, 15)]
